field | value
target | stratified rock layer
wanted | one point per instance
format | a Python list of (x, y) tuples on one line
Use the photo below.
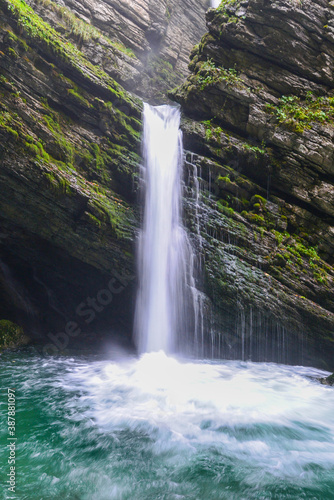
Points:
[(143, 44), (70, 138), (262, 84), (70, 153)]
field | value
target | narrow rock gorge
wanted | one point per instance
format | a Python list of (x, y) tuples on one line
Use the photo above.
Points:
[(258, 112)]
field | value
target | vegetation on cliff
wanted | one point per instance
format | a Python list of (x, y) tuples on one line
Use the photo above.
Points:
[(70, 149)]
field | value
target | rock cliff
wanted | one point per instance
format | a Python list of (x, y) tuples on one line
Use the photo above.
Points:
[(258, 130), (143, 44), (261, 92), (70, 151)]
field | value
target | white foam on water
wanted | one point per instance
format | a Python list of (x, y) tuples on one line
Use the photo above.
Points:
[(274, 417)]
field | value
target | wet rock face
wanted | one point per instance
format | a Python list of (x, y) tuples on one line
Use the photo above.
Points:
[(70, 146), (271, 293), (328, 380), (70, 151), (261, 92), (11, 335)]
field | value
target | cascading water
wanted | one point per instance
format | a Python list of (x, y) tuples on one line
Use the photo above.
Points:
[(164, 250)]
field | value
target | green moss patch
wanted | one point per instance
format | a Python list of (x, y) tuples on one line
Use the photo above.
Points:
[(297, 255), (227, 9), (38, 32), (81, 30), (298, 114), (11, 335), (208, 74)]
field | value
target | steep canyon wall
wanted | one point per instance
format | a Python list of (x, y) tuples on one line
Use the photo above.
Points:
[(258, 128)]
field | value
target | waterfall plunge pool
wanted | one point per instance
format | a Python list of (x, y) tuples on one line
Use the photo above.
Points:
[(156, 427)]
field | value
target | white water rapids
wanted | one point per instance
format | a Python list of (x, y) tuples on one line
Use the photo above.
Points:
[(161, 428)]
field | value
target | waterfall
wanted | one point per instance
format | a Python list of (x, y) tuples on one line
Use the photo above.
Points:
[(215, 3), (164, 251)]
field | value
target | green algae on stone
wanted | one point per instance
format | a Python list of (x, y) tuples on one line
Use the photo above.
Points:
[(11, 335), (41, 33)]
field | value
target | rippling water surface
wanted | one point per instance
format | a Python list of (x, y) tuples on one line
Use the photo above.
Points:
[(160, 428)]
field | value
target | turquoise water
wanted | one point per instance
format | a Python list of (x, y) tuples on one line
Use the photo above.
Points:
[(157, 428)]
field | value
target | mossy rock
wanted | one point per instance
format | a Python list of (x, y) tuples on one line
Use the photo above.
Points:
[(258, 200), (11, 335), (328, 380), (280, 260)]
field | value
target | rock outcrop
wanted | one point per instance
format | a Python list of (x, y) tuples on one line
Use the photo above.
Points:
[(70, 138), (262, 86), (11, 335), (328, 380)]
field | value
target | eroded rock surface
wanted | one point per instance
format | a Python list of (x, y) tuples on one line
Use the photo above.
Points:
[(70, 146)]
